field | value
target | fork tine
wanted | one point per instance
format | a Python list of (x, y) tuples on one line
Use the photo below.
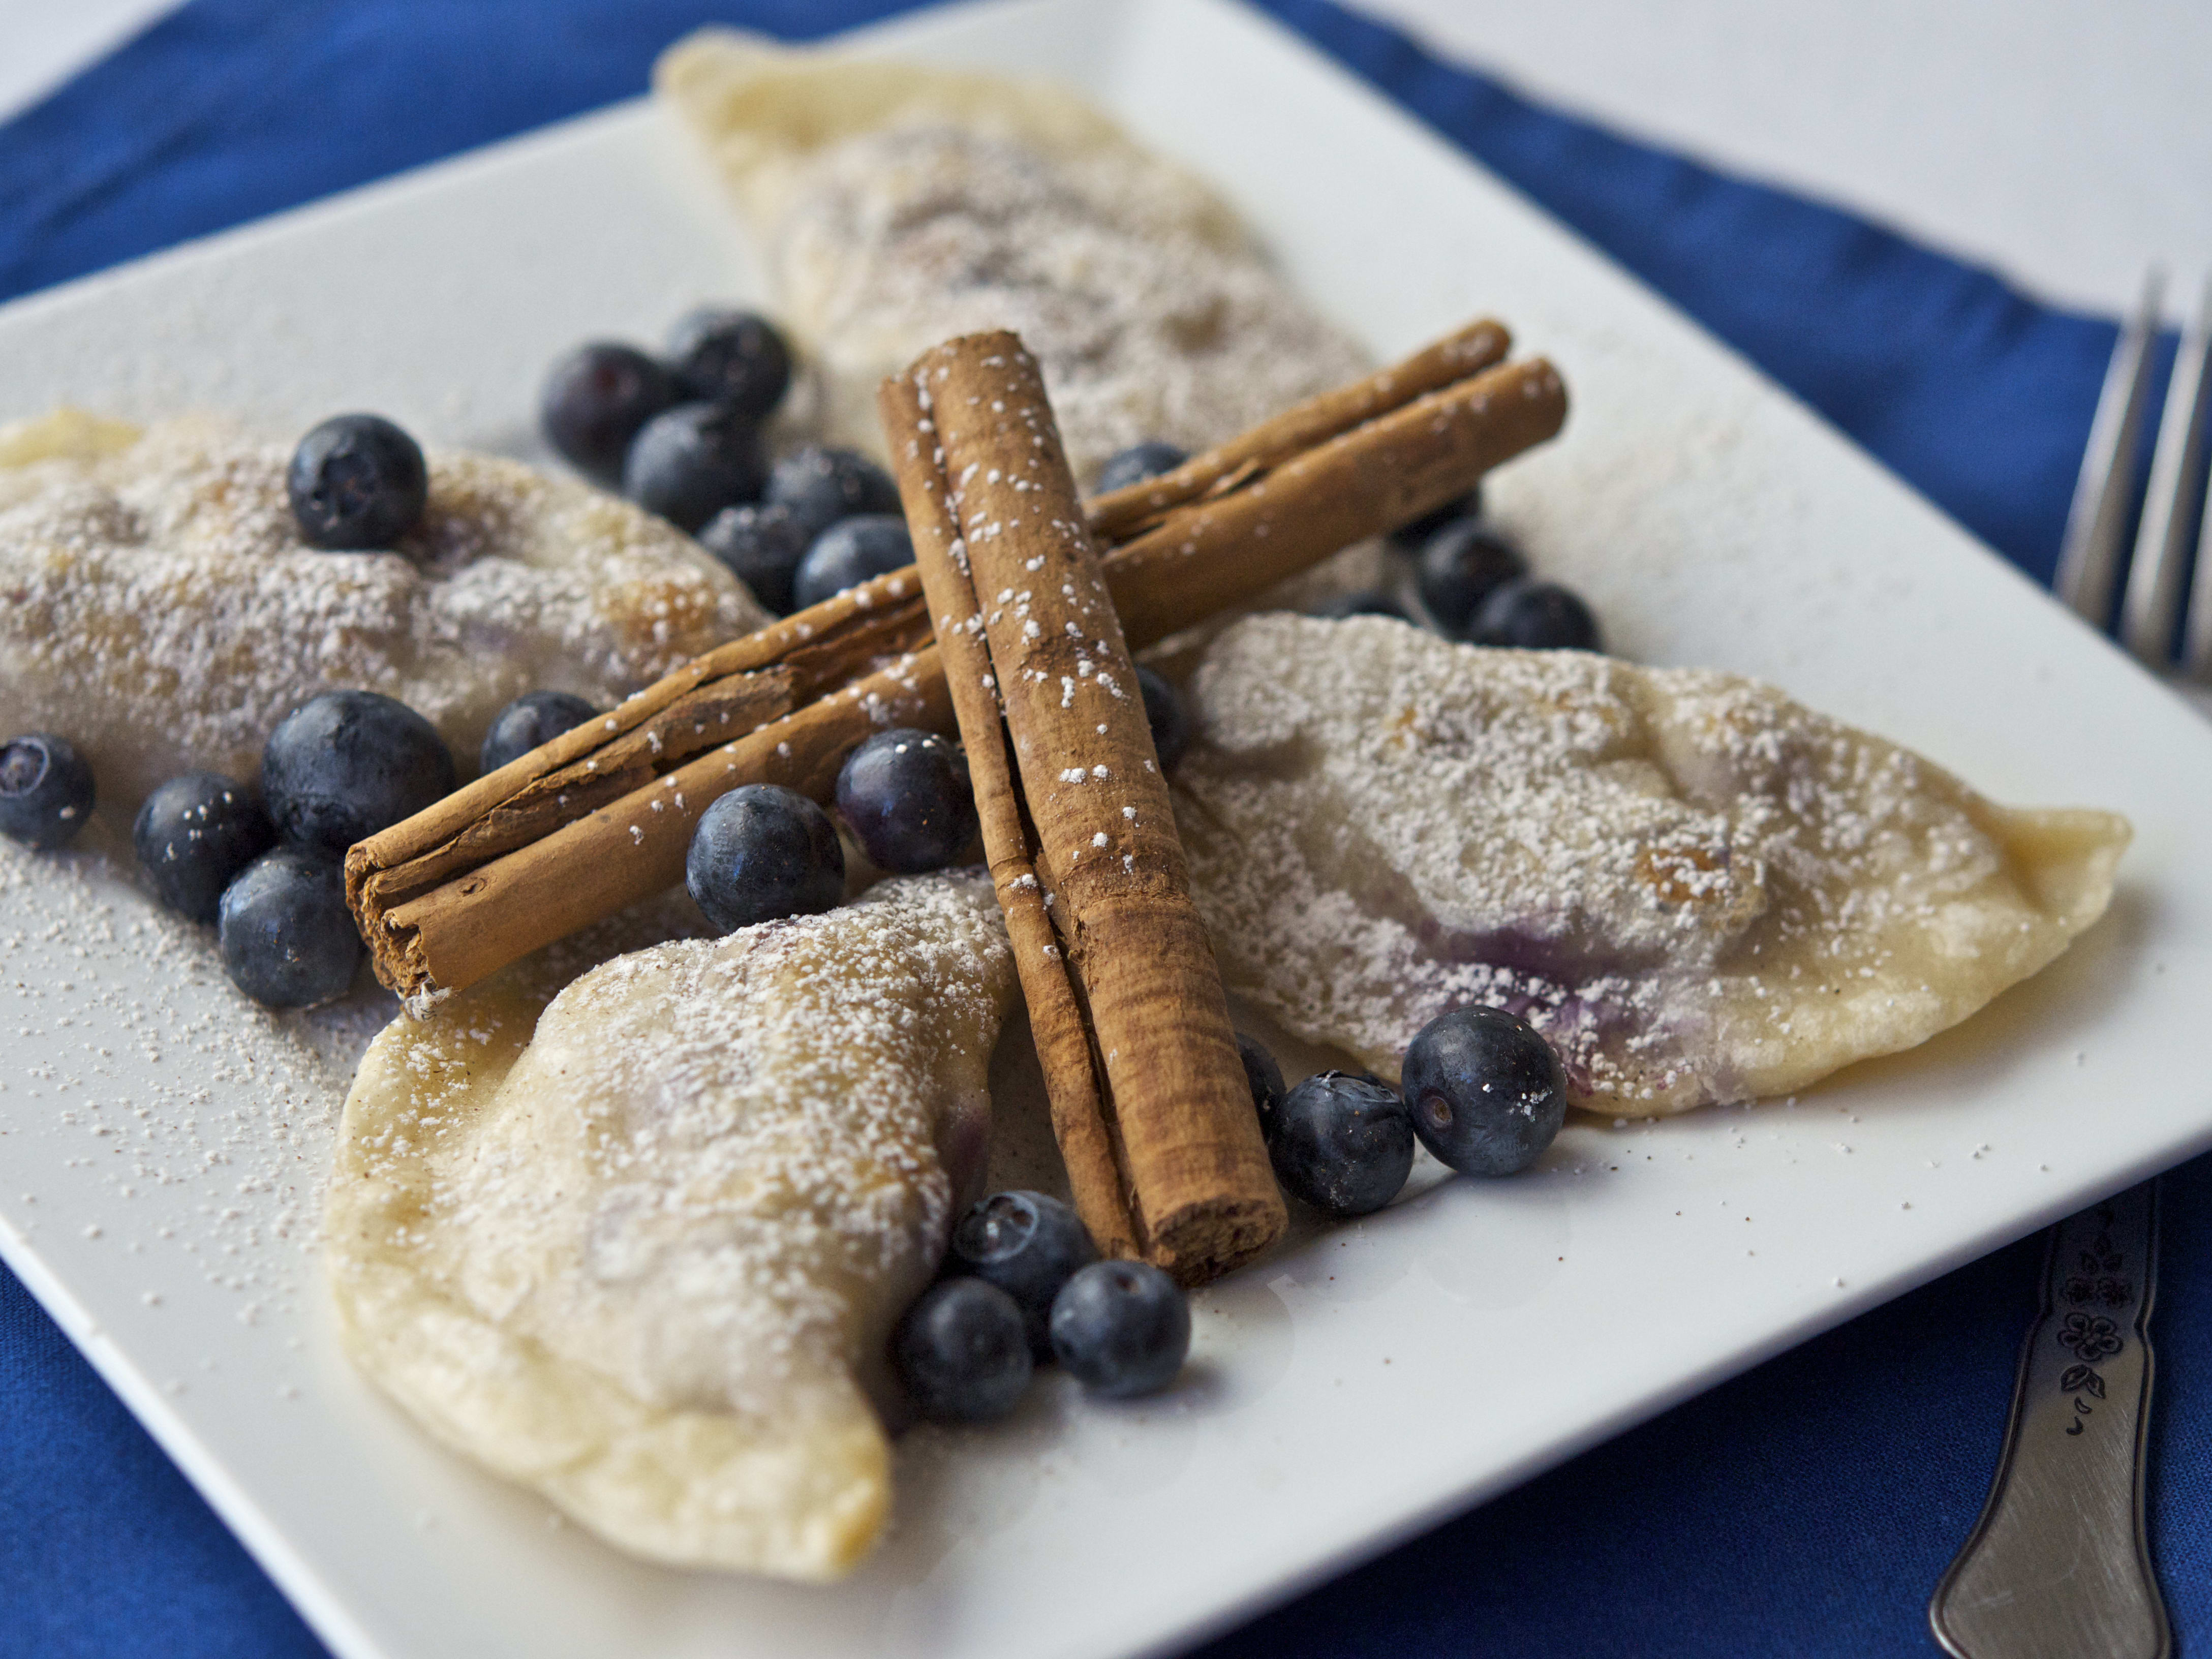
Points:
[(2088, 560), (2196, 637), (2166, 546)]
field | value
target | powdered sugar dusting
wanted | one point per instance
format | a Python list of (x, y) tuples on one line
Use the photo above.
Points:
[(162, 612), (204, 1120), (1147, 323), (697, 1189), (1698, 889), (744, 1105)]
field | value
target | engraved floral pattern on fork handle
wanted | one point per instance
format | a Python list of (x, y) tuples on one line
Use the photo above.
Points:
[(2057, 1566)]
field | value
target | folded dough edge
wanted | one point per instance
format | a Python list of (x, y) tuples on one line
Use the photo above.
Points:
[(640, 1246), (690, 1488)]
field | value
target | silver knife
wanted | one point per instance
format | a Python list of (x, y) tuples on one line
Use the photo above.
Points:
[(2057, 1567)]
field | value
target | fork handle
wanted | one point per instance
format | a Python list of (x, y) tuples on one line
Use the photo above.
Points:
[(2057, 1567)]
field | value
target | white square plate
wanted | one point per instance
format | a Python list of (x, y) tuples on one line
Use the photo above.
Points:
[(160, 1143)]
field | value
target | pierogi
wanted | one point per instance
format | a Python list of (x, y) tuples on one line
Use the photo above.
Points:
[(164, 612), (641, 1246), (1697, 890), (901, 205)]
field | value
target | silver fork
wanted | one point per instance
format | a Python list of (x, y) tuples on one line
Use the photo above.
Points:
[(2058, 1566), (2170, 541)]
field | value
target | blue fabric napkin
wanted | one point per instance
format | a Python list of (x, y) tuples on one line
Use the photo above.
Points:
[(1805, 1508)]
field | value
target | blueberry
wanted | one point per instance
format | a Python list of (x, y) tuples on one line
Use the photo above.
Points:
[(1138, 463), (1462, 565), (194, 835), (962, 1352), (735, 358), (762, 544), (688, 463), (850, 552), (1342, 1141), (287, 937), (763, 852), (1121, 1328), (45, 791), (1265, 1078), (1165, 713), (1413, 536), (1368, 602), (356, 482), (820, 486), (1028, 1244), (1535, 616), (595, 400), (1486, 1091), (905, 796), (532, 719), (344, 765)]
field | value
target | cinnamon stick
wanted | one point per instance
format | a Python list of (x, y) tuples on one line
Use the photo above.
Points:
[(1096, 1177), (1077, 821), (1228, 549), (728, 692), (593, 866), (525, 855), (1121, 514)]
